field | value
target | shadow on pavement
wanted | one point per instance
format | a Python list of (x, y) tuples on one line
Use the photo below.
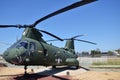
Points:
[(47, 74)]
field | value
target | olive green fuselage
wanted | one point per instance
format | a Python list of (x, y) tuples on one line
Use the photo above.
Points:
[(31, 49)]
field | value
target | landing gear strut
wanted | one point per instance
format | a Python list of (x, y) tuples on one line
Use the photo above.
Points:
[(26, 75), (25, 67)]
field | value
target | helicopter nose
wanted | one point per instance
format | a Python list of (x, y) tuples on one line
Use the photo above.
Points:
[(5, 55), (10, 54), (14, 55)]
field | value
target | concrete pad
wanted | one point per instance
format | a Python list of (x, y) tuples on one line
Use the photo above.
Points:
[(59, 71)]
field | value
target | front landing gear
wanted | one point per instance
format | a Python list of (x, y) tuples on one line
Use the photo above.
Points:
[(25, 67), (26, 75)]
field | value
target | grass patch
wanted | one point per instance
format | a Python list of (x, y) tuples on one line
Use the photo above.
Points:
[(108, 62)]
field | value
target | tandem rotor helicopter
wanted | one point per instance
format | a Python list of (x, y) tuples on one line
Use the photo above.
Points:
[(32, 49)]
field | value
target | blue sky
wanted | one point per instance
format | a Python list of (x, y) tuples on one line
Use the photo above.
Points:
[(99, 21)]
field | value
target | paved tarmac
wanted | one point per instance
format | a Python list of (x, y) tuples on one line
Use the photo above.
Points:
[(13, 72)]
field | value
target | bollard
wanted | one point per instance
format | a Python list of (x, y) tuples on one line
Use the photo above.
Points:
[(68, 73), (32, 70)]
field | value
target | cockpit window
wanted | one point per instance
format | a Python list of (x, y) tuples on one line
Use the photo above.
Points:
[(23, 44)]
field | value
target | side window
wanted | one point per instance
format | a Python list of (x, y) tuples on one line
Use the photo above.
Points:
[(32, 46)]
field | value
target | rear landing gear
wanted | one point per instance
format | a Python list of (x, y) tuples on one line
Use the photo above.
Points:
[(77, 67), (53, 67)]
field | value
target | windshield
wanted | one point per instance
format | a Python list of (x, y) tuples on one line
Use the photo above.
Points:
[(23, 44)]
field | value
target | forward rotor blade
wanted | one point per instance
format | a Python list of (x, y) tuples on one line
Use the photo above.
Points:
[(72, 6), (1, 43), (51, 35), (85, 41), (16, 26), (5, 26)]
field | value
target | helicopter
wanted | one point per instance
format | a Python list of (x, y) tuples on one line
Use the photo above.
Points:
[(32, 50)]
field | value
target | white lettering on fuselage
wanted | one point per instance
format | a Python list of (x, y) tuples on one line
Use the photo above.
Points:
[(58, 60)]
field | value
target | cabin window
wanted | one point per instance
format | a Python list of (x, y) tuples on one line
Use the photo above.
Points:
[(32, 46)]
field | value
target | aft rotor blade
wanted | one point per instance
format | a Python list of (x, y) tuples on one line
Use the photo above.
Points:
[(76, 36), (51, 35), (72, 6), (85, 41), (66, 38), (52, 40)]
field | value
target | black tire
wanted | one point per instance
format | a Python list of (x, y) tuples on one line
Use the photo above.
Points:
[(53, 66), (77, 67)]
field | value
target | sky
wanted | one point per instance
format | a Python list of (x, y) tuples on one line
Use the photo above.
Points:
[(98, 21)]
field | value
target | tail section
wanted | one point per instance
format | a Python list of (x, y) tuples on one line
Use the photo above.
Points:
[(70, 42), (70, 46)]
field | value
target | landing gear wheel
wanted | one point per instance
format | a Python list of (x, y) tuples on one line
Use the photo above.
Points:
[(77, 67), (53, 67)]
